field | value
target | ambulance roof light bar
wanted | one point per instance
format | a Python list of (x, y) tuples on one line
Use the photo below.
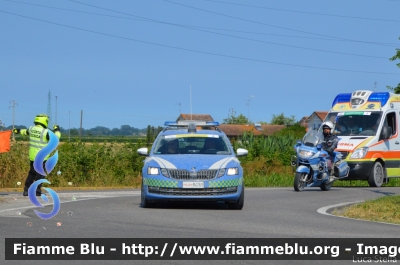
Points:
[(381, 97), (355, 97), (341, 98), (359, 98)]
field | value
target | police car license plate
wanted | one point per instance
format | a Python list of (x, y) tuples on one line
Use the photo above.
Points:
[(192, 185)]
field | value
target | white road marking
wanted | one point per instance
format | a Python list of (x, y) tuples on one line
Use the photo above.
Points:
[(324, 210)]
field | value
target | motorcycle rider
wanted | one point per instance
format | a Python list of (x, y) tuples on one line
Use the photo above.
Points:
[(329, 144), (38, 139)]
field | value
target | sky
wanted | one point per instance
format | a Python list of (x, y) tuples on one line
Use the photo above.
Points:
[(144, 62)]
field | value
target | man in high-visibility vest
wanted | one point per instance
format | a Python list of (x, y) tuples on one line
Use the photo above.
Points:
[(38, 139)]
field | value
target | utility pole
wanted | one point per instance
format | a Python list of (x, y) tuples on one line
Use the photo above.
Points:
[(231, 116), (80, 130), (1, 126), (69, 126), (248, 107), (56, 112), (49, 107), (13, 106)]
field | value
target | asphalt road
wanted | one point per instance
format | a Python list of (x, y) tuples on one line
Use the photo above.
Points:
[(267, 213)]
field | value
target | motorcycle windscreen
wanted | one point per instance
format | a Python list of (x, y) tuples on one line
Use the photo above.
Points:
[(313, 138)]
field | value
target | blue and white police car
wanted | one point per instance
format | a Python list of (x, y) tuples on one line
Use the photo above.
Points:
[(192, 161)]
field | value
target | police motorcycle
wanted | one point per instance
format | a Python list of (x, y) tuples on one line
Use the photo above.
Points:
[(310, 164)]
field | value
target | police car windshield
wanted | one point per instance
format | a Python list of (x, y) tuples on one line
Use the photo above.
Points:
[(191, 144), (362, 123)]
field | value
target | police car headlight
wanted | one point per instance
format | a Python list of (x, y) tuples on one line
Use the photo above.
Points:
[(306, 154), (359, 153), (228, 171), (153, 171), (164, 172), (232, 171), (221, 172)]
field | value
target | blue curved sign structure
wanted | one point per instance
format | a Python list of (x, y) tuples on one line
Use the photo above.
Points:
[(41, 155), (38, 166), (34, 200)]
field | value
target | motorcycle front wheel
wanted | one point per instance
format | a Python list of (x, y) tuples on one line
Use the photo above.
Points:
[(326, 186), (299, 181)]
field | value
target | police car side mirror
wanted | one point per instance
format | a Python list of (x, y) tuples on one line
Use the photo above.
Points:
[(386, 132), (143, 151), (241, 152)]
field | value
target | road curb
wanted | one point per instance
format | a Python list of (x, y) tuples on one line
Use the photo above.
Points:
[(327, 210)]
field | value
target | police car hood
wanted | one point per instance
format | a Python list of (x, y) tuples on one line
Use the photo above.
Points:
[(193, 161)]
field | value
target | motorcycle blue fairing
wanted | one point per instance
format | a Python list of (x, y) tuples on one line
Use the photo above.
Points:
[(312, 166)]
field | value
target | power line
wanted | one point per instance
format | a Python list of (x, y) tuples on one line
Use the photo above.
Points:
[(236, 37), (198, 51), (305, 12), (250, 21), (286, 45), (332, 37), (144, 19)]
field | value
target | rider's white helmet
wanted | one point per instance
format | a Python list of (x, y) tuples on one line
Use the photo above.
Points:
[(327, 124)]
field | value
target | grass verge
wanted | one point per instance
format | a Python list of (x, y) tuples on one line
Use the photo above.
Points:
[(385, 209)]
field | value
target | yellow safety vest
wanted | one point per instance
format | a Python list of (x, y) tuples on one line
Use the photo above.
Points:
[(37, 140)]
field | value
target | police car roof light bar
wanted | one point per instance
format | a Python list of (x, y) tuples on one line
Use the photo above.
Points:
[(212, 123)]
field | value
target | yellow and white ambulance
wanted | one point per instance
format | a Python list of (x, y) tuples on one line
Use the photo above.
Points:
[(367, 125)]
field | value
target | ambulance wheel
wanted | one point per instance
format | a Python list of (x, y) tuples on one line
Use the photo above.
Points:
[(377, 175)]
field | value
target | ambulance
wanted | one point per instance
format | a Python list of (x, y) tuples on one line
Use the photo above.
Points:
[(367, 126)]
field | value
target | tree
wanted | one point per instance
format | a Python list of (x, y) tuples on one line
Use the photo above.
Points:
[(282, 120), (297, 130), (396, 89), (74, 132), (232, 119)]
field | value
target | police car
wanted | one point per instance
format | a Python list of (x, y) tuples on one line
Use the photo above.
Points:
[(192, 161)]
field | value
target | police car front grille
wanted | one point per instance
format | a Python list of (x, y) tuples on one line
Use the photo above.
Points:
[(192, 192), (185, 174)]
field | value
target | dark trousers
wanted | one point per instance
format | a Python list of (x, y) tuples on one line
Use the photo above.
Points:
[(32, 177)]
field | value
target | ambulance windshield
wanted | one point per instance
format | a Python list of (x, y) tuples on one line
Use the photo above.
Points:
[(363, 123)]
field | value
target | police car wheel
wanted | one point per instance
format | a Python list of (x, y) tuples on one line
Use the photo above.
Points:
[(239, 204), (377, 175), (144, 202)]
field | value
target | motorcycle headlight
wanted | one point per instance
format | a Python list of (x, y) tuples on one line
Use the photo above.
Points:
[(359, 153), (306, 154)]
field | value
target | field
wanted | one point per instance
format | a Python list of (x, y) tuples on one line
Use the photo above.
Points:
[(114, 162)]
